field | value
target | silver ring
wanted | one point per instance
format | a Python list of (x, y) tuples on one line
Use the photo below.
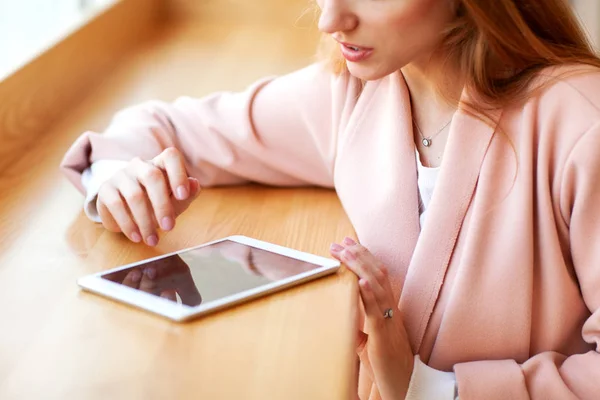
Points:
[(389, 313)]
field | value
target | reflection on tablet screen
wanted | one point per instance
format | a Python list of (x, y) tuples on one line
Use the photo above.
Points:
[(209, 273)]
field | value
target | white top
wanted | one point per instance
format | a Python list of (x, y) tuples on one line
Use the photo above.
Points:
[(427, 178), (425, 383)]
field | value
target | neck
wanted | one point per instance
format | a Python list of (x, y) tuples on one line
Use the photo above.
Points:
[(430, 89)]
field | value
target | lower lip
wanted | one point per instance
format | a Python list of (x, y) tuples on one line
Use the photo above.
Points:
[(355, 56)]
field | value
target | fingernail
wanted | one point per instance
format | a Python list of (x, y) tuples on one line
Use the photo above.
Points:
[(152, 240), (150, 273), (336, 247), (167, 223), (136, 276), (182, 192), (349, 242), (136, 237), (348, 255)]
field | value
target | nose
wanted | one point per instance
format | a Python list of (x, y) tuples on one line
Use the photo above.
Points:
[(336, 17)]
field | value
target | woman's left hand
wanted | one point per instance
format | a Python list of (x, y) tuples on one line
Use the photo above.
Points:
[(388, 347)]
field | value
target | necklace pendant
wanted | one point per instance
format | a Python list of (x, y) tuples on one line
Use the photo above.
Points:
[(426, 142)]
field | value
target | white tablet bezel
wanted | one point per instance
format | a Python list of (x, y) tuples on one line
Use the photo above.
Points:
[(181, 312)]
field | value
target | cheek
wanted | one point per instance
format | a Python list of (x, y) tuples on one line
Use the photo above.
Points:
[(414, 22), (388, 19)]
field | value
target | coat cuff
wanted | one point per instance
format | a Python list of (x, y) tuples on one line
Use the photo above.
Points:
[(502, 379), (93, 178)]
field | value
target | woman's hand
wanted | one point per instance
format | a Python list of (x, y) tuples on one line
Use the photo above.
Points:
[(147, 195), (388, 347)]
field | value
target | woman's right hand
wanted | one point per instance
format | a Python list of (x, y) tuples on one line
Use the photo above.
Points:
[(147, 195)]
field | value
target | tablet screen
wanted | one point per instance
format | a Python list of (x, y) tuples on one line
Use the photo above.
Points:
[(209, 273)]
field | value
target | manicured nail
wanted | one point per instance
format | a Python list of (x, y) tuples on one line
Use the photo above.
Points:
[(349, 242), (167, 223), (135, 276), (182, 192), (150, 272), (136, 237), (152, 240), (336, 247)]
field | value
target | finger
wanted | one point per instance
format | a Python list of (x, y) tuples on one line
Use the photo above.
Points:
[(364, 272), (155, 184), (169, 294), (105, 217), (112, 206), (139, 205), (373, 267), (335, 250), (171, 161), (362, 254), (372, 307), (132, 279), (194, 187), (385, 282), (181, 206)]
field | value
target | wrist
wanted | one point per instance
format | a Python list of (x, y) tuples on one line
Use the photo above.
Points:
[(409, 369)]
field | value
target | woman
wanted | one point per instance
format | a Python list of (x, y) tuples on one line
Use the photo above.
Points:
[(495, 104)]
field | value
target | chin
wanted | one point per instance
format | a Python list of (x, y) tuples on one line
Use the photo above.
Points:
[(368, 72)]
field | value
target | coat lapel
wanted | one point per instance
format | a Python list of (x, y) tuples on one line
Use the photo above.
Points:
[(467, 145), (376, 177)]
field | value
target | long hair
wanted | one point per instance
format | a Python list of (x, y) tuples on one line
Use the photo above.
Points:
[(500, 46)]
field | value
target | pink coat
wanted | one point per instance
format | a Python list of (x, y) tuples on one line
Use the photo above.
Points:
[(501, 284)]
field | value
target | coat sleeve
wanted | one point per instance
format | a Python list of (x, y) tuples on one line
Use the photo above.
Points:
[(551, 375), (280, 131)]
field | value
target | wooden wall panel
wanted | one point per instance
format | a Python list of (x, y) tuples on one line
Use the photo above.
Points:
[(287, 12), (36, 95)]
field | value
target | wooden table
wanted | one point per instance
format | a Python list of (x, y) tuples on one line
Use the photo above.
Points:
[(57, 342)]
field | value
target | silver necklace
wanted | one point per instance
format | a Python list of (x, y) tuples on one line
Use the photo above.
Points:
[(427, 141)]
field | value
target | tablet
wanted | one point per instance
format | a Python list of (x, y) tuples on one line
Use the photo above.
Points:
[(206, 278)]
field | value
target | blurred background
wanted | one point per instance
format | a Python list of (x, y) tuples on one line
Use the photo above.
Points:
[(29, 26), (589, 12)]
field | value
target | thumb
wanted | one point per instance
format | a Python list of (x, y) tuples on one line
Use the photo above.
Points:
[(182, 205), (194, 187)]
